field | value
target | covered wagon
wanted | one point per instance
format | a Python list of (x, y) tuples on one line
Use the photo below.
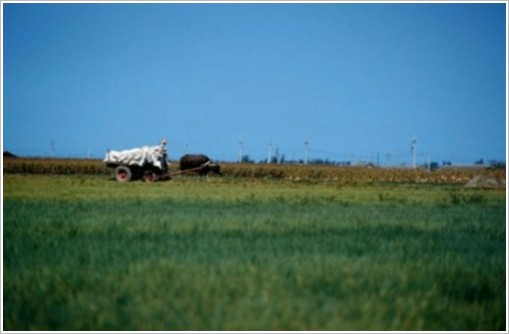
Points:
[(149, 163)]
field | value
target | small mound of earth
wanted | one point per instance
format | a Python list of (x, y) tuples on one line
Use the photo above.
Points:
[(8, 154), (481, 181)]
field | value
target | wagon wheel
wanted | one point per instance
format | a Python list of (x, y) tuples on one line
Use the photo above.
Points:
[(123, 174), (149, 176)]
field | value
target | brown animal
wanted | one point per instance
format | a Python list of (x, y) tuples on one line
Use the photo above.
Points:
[(199, 163)]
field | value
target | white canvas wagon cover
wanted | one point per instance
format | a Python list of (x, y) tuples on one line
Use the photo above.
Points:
[(154, 155)]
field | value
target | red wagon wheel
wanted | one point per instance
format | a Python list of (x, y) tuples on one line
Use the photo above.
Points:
[(123, 174)]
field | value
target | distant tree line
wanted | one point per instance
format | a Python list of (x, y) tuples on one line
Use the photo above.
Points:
[(492, 163), (433, 165)]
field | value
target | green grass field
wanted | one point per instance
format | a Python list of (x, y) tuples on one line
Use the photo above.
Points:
[(87, 253)]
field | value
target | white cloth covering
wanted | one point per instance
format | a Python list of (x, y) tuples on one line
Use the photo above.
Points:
[(139, 156)]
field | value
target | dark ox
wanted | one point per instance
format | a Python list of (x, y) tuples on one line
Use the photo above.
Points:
[(199, 163)]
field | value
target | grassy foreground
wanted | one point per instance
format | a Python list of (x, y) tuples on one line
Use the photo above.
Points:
[(87, 253)]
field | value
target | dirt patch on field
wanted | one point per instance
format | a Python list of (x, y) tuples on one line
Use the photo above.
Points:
[(481, 181)]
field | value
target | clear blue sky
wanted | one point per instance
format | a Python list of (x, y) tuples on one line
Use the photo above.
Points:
[(355, 80)]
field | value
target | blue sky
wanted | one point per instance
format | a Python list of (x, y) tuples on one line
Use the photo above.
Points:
[(357, 81)]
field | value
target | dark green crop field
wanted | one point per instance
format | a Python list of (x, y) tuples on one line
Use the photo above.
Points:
[(82, 252)]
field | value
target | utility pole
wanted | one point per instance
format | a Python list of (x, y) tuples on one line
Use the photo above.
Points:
[(306, 151), (269, 156), (241, 143), (414, 149), (52, 144)]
